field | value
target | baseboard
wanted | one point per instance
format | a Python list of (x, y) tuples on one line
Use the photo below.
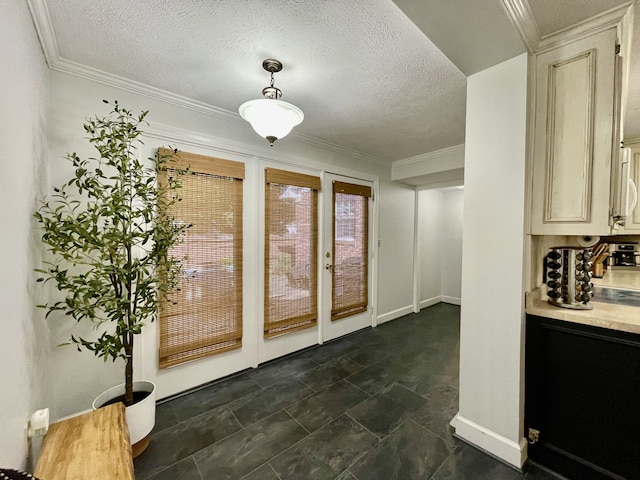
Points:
[(452, 300), (430, 301), (502, 448), (77, 414), (400, 312)]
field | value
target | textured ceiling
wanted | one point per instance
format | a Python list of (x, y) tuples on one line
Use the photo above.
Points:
[(366, 73), (365, 76)]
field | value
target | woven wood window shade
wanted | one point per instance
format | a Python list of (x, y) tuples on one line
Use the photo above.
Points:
[(291, 247), (350, 280), (204, 316)]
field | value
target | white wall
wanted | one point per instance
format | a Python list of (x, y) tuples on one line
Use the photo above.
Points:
[(492, 315), (440, 245), (23, 95), (452, 216), (430, 246), (395, 275), (75, 98)]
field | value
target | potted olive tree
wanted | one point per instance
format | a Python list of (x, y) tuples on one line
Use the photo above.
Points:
[(109, 234)]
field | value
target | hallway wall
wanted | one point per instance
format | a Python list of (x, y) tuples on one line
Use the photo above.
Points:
[(23, 96), (440, 245), (452, 216), (429, 239)]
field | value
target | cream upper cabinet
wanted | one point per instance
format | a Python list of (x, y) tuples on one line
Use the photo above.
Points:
[(573, 137)]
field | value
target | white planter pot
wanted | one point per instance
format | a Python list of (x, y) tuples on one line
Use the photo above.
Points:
[(141, 416)]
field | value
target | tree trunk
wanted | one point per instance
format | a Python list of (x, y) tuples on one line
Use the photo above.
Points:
[(128, 373)]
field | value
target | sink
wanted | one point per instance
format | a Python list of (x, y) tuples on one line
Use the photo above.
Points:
[(619, 296)]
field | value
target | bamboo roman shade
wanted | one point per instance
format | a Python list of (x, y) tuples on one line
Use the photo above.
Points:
[(291, 239), (204, 316), (350, 281)]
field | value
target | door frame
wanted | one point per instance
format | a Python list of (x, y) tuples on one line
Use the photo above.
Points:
[(325, 331), (278, 346)]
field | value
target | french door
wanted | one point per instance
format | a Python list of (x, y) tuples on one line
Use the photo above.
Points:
[(304, 243), (346, 256)]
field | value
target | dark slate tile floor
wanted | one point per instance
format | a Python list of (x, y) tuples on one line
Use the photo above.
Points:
[(373, 405)]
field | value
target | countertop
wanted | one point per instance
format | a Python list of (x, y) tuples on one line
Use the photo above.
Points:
[(605, 315), (620, 277)]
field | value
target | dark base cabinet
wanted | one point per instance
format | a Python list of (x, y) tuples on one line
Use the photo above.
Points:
[(582, 394)]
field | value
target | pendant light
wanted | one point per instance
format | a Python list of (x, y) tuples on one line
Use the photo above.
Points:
[(270, 117)]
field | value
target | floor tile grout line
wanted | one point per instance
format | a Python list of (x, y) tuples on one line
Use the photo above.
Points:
[(148, 477), (274, 470), (356, 386), (224, 438), (192, 454), (293, 376), (426, 397), (345, 355), (261, 389), (267, 463), (197, 467), (296, 420), (396, 428), (433, 477), (350, 473), (313, 392), (290, 447), (311, 433), (447, 442), (233, 414), (378, 437), (307, 385)]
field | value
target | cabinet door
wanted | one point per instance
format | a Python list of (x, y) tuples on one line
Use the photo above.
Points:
[(581, 396), (573, 137)]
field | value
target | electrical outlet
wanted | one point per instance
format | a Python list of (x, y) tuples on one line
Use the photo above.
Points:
[(39, 423)]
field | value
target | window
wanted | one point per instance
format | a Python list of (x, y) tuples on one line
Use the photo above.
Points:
[(350, 280), (204, 316), (346, 206), (291, 239)]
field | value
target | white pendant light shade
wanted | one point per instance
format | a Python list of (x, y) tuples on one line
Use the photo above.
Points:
[(270, 118)]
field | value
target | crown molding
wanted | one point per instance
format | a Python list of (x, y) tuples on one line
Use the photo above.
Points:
[(590, 26), (47, 37), (315, 142), (632, 142), (522, 18), (427, 157), (180, 138), (42, 22), (142, 89)]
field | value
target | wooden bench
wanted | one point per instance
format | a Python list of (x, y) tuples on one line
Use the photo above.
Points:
[(92, 446)]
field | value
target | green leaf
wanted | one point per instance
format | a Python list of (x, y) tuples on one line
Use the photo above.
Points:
[(108, 237)]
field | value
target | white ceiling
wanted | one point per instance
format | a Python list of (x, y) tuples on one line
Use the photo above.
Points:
[(473, 34), (367, 73)]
